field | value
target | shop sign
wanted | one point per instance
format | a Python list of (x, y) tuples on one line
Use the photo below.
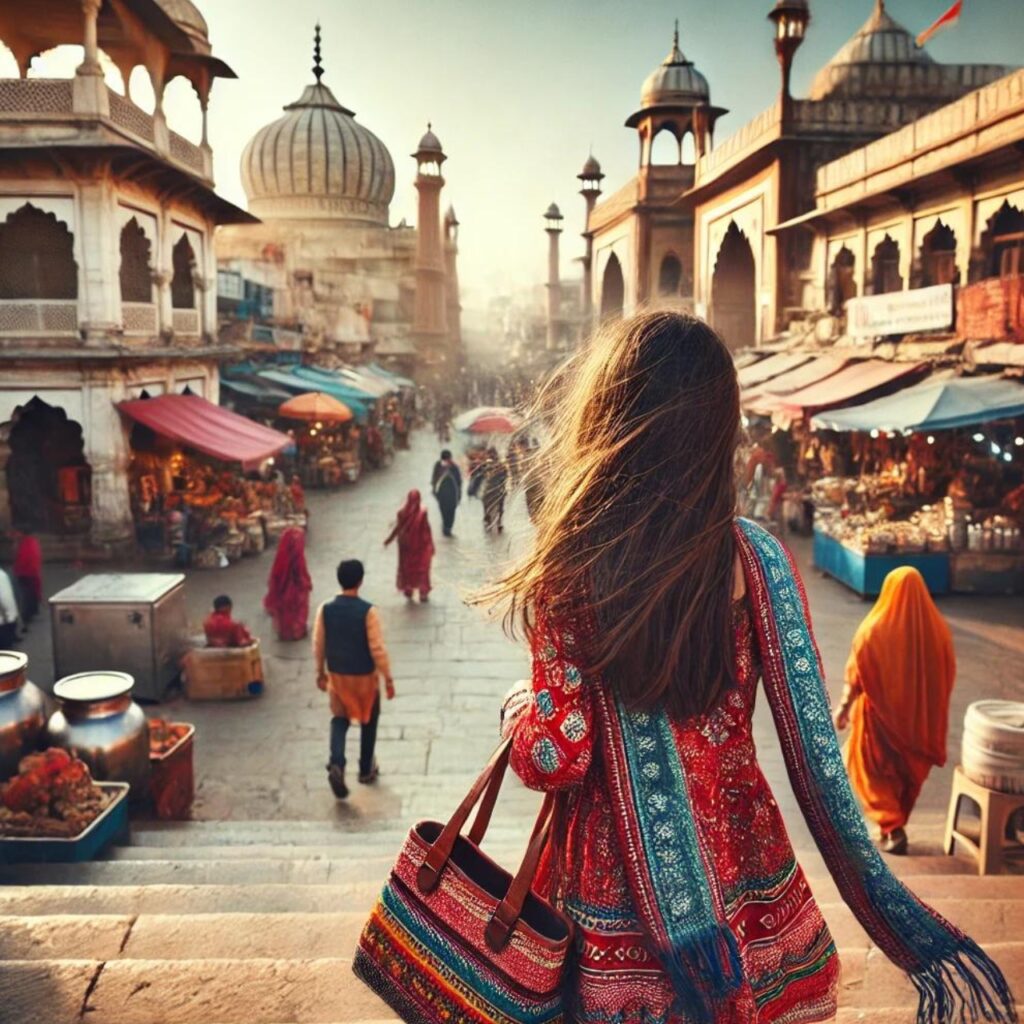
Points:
[(920, 309)]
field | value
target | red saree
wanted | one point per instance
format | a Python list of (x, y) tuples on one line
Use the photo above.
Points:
[(287, 600), (415, 546)]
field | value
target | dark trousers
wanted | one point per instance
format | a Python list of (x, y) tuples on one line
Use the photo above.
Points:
[(447, 516), (367, 740), (27, 600), (8, 634)]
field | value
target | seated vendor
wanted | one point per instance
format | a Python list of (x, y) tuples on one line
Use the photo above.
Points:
[(222, 630)]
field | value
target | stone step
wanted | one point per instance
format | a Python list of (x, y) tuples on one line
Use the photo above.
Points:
[(333, 931), (315, 990)]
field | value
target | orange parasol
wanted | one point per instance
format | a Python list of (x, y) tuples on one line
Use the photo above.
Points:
[(315, 406)]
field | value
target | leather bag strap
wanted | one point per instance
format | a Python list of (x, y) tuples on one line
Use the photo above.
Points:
[(507, 913), (483, 814), (440, 851)]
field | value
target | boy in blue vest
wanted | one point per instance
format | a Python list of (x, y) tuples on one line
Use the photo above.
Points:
[(350, 657)]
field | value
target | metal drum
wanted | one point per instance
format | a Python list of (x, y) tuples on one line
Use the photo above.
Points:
[(98, 721), (22, 712)]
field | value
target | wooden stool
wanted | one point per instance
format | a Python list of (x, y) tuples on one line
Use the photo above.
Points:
[(995, 810)]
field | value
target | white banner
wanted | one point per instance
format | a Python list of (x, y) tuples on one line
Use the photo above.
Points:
[(920, 309)]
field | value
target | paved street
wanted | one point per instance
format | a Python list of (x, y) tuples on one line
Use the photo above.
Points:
[(265, 758)]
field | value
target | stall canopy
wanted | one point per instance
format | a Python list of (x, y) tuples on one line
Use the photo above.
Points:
[(402, 382), (359, 388), (764, 399), (199, 424), (766, 369), (258, 392), (357, 401), (933, 405), (848, 384)]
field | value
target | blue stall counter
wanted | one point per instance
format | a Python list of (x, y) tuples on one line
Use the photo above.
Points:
[(865, 574)]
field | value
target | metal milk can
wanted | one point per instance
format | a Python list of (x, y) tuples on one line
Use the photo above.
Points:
[(97, 720), (22, 712)]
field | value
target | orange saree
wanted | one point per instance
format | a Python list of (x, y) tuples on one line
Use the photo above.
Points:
[(899, 677)]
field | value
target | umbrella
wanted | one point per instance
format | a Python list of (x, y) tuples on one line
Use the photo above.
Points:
[(488, 420), (315, 406)]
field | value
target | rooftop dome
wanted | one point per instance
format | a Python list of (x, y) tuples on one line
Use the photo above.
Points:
[(880, 41), (430, 143), (318, 162), (591, 169), (186, 16), (675, 82)]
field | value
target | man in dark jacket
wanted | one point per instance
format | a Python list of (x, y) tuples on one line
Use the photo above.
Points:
[(446, 483)]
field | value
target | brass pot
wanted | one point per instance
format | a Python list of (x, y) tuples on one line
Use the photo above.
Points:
[(22, 712), (97, 721)]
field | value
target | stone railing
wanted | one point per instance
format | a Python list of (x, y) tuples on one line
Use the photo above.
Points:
[(754, 134), (138, 318), (54, 100), (39, 317), (920, 145), (185, 322)]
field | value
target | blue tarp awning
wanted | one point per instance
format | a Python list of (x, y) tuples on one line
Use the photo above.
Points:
[(317, 376), (261, 392), (932, 405), (402, 382), (296, 384)]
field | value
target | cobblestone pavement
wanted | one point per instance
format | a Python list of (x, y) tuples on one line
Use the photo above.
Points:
[(266, 758)]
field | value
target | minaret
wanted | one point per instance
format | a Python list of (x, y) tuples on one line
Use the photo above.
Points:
[(790, 18), (553, 217), (590, 188), (430, 327), (451, 283)]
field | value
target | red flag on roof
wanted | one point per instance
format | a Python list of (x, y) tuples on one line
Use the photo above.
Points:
[(941, 22)]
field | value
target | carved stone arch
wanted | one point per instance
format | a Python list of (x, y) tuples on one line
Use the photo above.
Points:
[(613, 288), (885, 267), (734, 290), (183, 263), (937, 256), (136, 271), (670, 275)]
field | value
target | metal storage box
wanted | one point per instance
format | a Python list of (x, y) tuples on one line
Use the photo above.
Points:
[(129, 622)]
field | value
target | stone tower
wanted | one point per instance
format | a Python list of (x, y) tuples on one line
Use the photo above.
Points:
[(430, 321), (451, 284), (553, 227)]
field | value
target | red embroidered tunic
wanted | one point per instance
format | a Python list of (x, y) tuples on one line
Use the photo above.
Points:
[(787, 951)]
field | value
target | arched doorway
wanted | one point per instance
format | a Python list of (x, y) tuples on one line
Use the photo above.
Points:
[(48, 478), (938, 256), (885, 267), (843, 283), (733, 290), (613, 288)]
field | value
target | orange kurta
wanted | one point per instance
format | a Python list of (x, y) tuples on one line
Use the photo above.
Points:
[(900, 676)]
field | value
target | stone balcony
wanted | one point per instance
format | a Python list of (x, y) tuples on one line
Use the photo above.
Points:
[(85, 111)]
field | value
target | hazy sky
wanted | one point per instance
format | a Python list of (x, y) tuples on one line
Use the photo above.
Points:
[(519, 92)]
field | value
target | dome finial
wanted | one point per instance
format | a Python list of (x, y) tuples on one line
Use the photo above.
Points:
[(675, 55), (318, 68), (675, 36)]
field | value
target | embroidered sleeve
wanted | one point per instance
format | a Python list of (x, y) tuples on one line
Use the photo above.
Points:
[(553, 731)]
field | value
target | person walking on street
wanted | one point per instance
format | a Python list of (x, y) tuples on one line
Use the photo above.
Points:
[(28, 574), (899, 679), (350, 659), (495, 487), (287, 598), (653, 612), (415, 548), (446, 483)]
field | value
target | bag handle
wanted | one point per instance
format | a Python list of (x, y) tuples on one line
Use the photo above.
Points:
[(507, 913), (440, 851)]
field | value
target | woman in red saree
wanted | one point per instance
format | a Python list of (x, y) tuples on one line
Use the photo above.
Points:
[(28, 574), (415, 547), (287, 599), (896, 701)]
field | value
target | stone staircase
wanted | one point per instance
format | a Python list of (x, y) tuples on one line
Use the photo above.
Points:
[(256, 923)]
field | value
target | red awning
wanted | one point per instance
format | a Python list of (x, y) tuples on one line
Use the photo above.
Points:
[(764, 398), (199, 424), (850, 383)]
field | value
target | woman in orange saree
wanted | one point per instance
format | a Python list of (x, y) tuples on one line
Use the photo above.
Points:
[(899, 678)]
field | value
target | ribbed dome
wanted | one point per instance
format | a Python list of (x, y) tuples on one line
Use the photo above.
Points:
[(318, 162), (591, 169), (186, 16), (674, 82), (880, 41)]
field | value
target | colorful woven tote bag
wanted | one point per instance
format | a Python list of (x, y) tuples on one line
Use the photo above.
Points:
[(455, 938)]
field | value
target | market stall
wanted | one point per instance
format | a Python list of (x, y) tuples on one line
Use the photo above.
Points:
[(197, 491), (939, 485), (328, 444)]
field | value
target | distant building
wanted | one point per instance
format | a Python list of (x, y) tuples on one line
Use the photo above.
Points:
[(321, 184), (108, 279)]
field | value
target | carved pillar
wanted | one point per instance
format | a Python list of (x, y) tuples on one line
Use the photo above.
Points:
[(99, 294), (91, 64), (108, 455)]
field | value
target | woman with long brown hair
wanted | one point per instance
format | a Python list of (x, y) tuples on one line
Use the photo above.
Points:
[(651, 612)]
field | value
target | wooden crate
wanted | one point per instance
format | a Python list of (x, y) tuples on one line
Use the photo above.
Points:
[(223, 673)]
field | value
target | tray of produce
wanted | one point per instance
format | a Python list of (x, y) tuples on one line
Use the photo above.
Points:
[(52, 810)]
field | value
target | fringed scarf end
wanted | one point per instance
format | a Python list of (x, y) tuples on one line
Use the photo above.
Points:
[(706, 973), (964, 987)]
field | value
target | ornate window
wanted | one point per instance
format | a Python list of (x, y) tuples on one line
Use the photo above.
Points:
[(938, 256), (843, 283), (613, 288), (183, 287), (885, 268), (37, 258), (670, 275), (1003, 242), (136, 275)]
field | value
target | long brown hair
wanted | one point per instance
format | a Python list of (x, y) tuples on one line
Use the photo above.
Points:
[(635, 525)]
